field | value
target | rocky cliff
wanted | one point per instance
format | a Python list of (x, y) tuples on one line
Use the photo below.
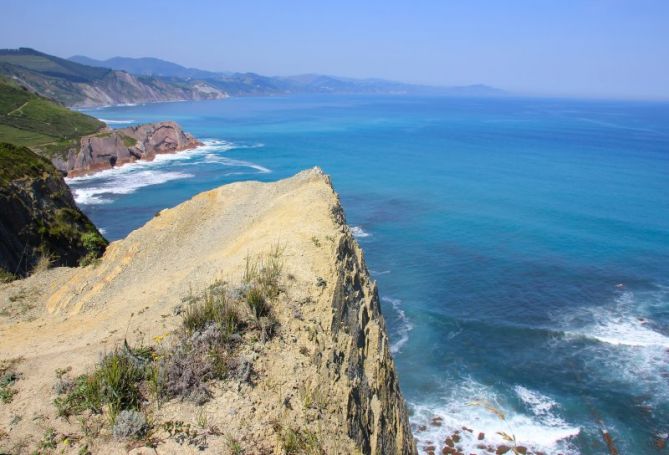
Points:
[(77, 85), (314, 375), (38, 216), (111, 148)]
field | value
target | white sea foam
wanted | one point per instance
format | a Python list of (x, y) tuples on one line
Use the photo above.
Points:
[(540, 404), (539, 427), (621, 324), (404, 325), (359, 233), (624, 339), (379, 272), (125, 183), (116, 122), (212, 158), (209, 147)]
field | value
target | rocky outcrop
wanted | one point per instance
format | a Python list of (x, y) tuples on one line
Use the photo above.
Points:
[(325, 382), (38, 216), (113, 148)]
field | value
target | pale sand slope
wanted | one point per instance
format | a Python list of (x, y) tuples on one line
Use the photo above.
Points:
[(68, 317)]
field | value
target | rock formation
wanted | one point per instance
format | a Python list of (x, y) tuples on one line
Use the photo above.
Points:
[(38, 216), (111, 148), (327, 371)]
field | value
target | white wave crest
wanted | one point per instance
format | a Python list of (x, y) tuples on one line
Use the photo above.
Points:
[(379, 272), (116, 122), (404, 325), (125, 183), (359, 233), (212, 158), (623, 323), (538, 403), (624, 338)]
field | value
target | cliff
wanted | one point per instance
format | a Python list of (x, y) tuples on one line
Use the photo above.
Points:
[(38, 216), (112, 148), (311, 372), (77, 85)]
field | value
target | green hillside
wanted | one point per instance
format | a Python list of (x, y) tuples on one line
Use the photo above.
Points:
[(49, 65), (39, 123)]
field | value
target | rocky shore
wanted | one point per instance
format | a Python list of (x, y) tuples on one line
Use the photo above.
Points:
[(112, 148)]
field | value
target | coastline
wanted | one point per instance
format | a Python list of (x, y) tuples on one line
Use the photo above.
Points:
[(114, 148)]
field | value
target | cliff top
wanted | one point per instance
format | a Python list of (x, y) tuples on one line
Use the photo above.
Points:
[(321, 381)]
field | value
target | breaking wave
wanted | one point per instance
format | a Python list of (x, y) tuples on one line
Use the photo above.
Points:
[(402, 323), (359, 233), (469, 410)]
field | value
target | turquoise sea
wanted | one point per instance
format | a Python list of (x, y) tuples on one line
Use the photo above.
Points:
[(521, 246)]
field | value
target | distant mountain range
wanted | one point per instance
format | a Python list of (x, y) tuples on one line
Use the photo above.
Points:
[(85, 82), (239, 84), (146, 66)]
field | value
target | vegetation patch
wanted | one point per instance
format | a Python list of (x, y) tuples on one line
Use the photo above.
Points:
[(294, 441), (215, 324), (94, 244), (128, 141), (8, 378), (6, 277), (31, 120)]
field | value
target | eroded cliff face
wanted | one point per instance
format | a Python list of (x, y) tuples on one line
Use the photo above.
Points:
[(112, 148), (38, 216), (326, 373)]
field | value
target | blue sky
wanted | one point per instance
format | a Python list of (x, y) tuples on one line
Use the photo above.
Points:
[(598, 48)]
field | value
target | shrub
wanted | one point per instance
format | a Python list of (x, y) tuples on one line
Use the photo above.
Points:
[(5, 276), (184, 374), (257, 303), (94, 244), (118, 378), (43, 263), (8, 378), (212, 307), (114, 383), (83, 394), (129, 424), (295, 441)]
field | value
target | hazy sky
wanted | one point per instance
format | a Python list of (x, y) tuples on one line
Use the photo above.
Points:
[(614, 48)]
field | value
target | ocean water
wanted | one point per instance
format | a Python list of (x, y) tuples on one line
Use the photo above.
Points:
[(521, 246)]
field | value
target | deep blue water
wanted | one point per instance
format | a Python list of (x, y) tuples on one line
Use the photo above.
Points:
[(521, 246)]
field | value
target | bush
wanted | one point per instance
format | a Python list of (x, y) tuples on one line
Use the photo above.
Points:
[(212, 307), (257, 303), (118, 378), (94, 244), (114, 383), (5, 276), (129, 424), (82, 394)]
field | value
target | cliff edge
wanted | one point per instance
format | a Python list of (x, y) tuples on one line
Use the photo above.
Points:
[(39, 219), (321, 381)]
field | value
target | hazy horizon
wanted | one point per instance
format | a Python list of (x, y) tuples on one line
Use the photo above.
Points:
[(595, 48)]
